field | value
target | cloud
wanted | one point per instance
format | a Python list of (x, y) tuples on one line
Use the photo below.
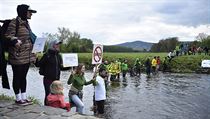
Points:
[(152, 30), (188, 12), (118, 21)]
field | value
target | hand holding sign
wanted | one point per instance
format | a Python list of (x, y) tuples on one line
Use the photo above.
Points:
[(39, 45), (97, 54)]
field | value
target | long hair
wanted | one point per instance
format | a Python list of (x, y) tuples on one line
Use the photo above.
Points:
[(79, 69), (56, 87)]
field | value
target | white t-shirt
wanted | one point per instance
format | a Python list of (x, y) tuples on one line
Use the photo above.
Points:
[(100, 91), (169, 54)]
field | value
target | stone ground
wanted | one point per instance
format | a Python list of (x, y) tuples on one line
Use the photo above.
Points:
[(10, 110)]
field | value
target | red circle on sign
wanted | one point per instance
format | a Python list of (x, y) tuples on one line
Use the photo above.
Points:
[(97, 54)]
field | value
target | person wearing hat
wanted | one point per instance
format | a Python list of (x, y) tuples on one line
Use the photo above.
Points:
[(50, 63), (20, 51)]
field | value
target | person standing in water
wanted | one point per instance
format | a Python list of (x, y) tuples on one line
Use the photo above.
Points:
[(77, 79)]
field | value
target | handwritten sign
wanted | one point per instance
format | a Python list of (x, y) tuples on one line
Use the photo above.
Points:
[(39, 45), (70, 59), (205, 64)]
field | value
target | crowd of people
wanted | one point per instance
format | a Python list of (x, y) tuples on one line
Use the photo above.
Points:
[(121, 67), (21, 56), (185, 49)]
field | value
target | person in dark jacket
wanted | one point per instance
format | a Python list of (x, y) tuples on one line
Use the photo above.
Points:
[(1, 53), (51, 63), (206, 50), (148, 67), (20, 52)]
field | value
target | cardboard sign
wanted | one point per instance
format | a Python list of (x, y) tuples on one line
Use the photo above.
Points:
[(97, 54), (205, 64), (70, 59), (39, 45)]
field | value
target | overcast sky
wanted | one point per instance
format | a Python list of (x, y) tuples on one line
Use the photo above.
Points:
[(116, 21)]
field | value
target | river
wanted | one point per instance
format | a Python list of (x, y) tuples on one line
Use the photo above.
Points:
[(164, 96)]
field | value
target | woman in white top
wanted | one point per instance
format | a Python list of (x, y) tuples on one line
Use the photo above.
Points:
[(100, 91)]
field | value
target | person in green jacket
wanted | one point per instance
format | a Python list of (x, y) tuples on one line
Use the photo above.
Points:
[(124, 67), (177, 50), (77, 80), (137, 67), (105, 65)]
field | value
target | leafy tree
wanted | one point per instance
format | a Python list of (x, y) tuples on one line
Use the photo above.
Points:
[(49, 37), (203, 39), (165, 45), (72, 42), (206, 42)]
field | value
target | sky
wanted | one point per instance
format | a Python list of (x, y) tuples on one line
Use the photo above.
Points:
[(110, 22)]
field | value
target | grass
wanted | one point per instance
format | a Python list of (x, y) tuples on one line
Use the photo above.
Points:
[(181, 64), (11, 98), (6, 97), (34, 100), (187, 63)]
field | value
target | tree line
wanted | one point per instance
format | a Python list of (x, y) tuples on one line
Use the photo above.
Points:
[(169, 44), (72, 42)]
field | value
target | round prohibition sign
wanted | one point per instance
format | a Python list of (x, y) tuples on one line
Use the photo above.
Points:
[(97, 54)]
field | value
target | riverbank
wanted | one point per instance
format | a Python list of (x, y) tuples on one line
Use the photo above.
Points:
[(10, 110), (188, 64), (180, 64)]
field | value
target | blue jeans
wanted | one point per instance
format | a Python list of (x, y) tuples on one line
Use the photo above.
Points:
[(79, 104)]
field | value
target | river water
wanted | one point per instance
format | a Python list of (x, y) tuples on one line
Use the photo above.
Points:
[(164, 96)]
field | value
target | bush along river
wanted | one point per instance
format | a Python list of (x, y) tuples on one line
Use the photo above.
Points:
[(163, 96)]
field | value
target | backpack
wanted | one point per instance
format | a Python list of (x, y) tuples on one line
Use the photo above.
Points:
[(5, 42), (4, 45)]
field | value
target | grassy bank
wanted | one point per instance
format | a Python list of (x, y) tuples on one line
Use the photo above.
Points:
[(181, 64), (187, 63)]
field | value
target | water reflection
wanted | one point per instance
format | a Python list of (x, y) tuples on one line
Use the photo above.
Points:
[(115, 84), (124, 82), (163, 96)]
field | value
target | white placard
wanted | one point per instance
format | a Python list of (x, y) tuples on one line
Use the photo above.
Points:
[(70, 59), (39, 45), (97, 54), (205, 64)]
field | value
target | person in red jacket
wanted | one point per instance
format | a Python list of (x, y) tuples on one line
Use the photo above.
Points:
[(158, 63), (56, 96)]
